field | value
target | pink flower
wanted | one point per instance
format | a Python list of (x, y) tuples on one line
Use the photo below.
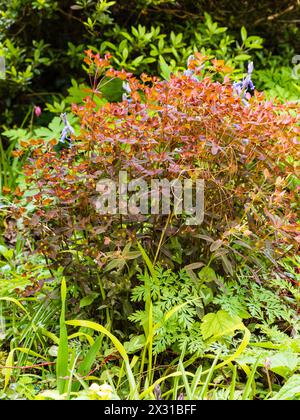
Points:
[(37, 111)]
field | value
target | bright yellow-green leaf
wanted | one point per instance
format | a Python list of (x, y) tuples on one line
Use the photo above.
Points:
[(219, 324)]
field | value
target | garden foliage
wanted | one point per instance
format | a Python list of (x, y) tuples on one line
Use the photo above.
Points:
[(184, 127), (40, 64), (139, 305)]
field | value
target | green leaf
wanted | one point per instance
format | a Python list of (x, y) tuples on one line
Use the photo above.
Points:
[(116, 263), (137, 61), (242, 57), (244, 33), (54, 128), (165, 69), (77, 93), (7, 372), (111, 89), (219, 324), (136, 343), (289, 390), (283, 363), (297, 86), (147, 260), (125, 54), (88, 300), (207, 274), (50, 394), (227, 264), (88, 361), (6, 252), (17, 134)]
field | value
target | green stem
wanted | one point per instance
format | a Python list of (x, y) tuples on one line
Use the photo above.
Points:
[(103, 295)]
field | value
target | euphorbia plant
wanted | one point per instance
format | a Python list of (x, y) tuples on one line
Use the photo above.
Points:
[(190, 126)]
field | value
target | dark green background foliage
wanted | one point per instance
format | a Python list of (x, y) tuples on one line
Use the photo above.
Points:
[(43, 41)]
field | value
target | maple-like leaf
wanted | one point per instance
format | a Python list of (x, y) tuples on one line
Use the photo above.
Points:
[(215, 325)]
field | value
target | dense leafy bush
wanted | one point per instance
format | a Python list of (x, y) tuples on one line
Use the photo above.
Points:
[(185, 127), (40, 66), (39, 63)]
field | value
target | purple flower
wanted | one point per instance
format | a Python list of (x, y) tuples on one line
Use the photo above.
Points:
[(245, 86), (127, 88), (188, 73), (67, 130), (157, 392), (126, 95)]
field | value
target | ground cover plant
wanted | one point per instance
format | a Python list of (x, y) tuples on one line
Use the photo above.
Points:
[(183, 303)]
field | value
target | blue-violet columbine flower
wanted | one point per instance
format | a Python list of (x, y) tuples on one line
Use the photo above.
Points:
[(245, 87)]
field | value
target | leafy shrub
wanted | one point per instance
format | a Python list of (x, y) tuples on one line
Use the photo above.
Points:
[(38, 63), (278, 81), (175, 47), (187, 127)]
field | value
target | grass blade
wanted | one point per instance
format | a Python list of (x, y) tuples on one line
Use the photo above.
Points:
[(63, 351), (8, 370), (117, 344), (233, 383), (16, 302), (185, 381), (87, 363), (208, 378), (250, 382)]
